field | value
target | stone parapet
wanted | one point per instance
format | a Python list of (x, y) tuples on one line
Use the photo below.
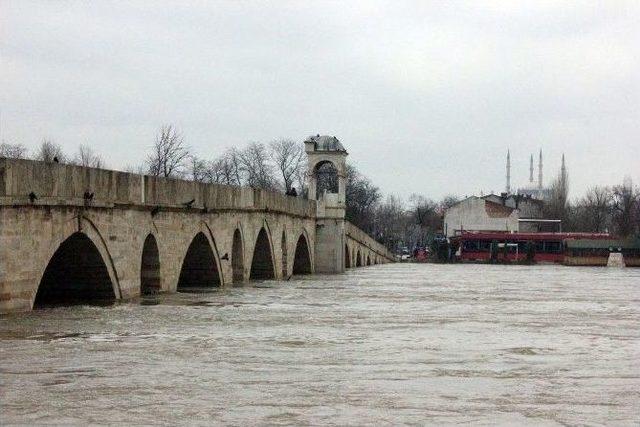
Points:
[(354, 233), (59, 184)]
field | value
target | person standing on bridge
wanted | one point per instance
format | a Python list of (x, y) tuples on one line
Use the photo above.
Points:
[(292, 192)]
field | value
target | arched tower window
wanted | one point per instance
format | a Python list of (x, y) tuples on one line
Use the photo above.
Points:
[(326, 178)]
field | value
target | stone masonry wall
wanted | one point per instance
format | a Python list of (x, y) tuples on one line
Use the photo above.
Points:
[(123, 209)]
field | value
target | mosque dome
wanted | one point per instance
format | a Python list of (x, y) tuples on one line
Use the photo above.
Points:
[(326, 143)]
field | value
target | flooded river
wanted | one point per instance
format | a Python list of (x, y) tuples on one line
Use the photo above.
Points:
[(392, 344)]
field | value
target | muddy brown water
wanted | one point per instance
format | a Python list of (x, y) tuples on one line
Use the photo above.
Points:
[(385, 345)]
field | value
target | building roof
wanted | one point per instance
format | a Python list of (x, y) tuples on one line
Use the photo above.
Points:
[(569, 237), (602, 244), (326, 143), (520, 198)]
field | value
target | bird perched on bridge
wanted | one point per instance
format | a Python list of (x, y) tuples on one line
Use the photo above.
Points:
[(88, 196), (189, 204), (33, 197)]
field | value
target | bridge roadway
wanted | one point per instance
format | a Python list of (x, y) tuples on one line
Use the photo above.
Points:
[(69, 232)]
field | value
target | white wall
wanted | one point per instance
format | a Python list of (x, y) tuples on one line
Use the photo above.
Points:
[(471, 215)]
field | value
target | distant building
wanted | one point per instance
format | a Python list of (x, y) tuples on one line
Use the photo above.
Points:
[(479, 214), (521, 211), (493, 212)]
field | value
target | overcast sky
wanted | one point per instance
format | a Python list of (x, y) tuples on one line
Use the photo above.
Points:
[(425, 96)]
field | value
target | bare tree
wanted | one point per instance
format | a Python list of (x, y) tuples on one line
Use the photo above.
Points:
[(255, 166), (557, 207), (169, 154), (233, 167), (88, 158), (13, 151), (215, 171), (288, 156), (593, 211), (196, 169), (424, 211), (426, 217), (391, 223), (625, 206), (362, 197), (225, 170), (447, 202), (50, 151)]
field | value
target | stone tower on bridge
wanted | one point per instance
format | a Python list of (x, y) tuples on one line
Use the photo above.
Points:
[(327, 178)]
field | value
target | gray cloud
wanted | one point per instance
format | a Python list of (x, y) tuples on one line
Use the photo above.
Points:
[(426, 96)]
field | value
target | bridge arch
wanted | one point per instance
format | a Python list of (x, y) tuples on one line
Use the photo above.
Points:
[(77, 272), (368, 260), (347, 256), (302, 258), (262, 265), (150, 266), (283, 247), (237, 256), (358, 259), (200, 267)]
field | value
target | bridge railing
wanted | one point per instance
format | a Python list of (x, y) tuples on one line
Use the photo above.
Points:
[(363, 238), (59, 184)]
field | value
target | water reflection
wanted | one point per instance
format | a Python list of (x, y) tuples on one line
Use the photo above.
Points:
[(383, 345)]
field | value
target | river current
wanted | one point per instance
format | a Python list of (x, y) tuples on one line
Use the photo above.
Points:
[(383, 345)]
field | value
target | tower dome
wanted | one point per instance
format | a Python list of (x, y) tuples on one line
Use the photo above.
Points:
[(325, 143)]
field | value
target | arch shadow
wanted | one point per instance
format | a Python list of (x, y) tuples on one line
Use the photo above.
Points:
[(302, 259), (262, 262), (150, 267), (237, 257), (76, 274), (347, 257), (199, 267), (283, 246)]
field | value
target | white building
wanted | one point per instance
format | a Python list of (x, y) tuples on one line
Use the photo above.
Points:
[(493, 213), (480, 214), (520, 212)]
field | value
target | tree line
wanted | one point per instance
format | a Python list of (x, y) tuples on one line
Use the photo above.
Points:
[(49, 151), (280, 165), (611, 209)]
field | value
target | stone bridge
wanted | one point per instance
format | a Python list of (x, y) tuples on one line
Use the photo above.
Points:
[(69, 232)]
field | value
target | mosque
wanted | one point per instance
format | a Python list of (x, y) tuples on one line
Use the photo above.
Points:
[(534, 190)]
